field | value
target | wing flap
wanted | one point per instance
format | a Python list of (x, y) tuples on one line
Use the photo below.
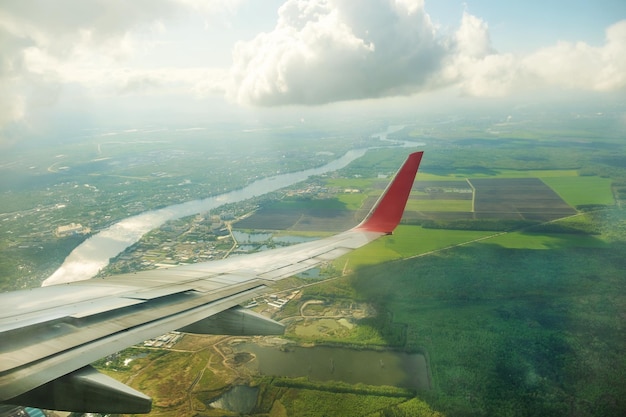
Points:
[(47, 339), (24, 373), (236, 321), (155, 293), (333, 254), (102, 306), (86, 390)]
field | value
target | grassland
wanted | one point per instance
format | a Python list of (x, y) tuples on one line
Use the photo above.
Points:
[(529, 240), (352, 201), (577, 191), (439, 205), (407, 241)]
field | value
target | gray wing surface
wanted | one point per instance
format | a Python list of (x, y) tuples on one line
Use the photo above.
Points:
[(50, 335)]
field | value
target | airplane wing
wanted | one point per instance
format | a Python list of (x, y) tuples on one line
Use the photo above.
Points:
[(50, 335)]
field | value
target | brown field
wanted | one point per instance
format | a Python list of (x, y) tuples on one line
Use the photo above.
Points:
[(518, 198)]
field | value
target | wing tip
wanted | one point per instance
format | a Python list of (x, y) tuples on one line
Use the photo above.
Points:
[(388, 210)]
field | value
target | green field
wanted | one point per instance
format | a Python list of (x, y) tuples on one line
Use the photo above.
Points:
[(407, 241), (439, 205), (424, 176), (352, 201), (536, 173), (578, 191), (527, 240)]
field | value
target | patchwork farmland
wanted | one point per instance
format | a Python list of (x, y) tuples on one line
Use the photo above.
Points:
[(528, 199), (486, 198)]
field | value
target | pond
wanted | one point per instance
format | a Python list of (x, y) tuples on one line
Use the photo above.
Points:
[(325, 363), (240, 399), (243, 237)]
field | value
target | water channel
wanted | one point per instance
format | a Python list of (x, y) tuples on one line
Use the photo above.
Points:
[(93, 254)]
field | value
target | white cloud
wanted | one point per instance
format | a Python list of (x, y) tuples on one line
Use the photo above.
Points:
[(328, 50), (474, 66), (90, 45), (582, 66), (13, 109), (331, 50), (472, 38), (482, 72)]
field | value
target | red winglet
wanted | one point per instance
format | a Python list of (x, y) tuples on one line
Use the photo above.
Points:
[(388, 210)]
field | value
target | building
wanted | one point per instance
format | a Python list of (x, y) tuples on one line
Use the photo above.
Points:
[(71, 229)]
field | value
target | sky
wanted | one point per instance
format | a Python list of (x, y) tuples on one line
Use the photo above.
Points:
[(67, 65)]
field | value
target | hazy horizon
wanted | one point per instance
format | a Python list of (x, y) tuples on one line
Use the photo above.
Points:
[(186, 63)]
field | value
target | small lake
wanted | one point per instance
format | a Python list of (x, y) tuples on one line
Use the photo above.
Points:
[(243, 237), (324, 363), (240, 399)]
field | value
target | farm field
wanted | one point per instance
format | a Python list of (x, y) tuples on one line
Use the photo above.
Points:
[(433, 206), (408, 241), (517, 198), (299, 214), (507, 198), (567, 169), (582, 190)]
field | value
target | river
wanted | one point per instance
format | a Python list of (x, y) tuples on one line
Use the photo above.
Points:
[(93, 254)]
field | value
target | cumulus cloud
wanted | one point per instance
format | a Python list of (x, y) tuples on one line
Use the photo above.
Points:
[(582, 66), (322, 51), (40, 40), (481, 71), (474, 65), (327, 50)]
